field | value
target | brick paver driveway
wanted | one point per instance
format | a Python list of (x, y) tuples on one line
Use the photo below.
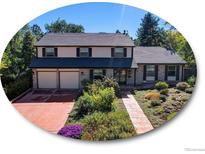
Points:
[(47, 109)]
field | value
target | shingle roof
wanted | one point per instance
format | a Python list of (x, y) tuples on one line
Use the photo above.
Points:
[(156, 55), (83, 63), (84, 39)]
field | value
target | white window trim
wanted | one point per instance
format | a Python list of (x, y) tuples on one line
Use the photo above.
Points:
[(46, 52), (97, 70), (119, 52), (171, 78), (150, 77), (82, 50)]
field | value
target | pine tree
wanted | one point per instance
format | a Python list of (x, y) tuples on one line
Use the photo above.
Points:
[(149, 34), (28, 49)]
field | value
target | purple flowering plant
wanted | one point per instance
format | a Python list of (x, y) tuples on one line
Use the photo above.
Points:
[(73, 131)]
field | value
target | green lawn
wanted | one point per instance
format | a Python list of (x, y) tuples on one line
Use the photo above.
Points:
[(167, 110)]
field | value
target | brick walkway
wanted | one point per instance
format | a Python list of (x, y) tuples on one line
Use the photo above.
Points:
[(137, 116)]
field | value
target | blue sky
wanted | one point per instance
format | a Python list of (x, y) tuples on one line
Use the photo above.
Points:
[(97, 17)]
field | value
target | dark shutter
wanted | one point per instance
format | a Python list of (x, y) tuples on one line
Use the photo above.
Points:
[(177, 73), (156, 72), (104, 72), (112, 52), (144, 72), (44, 52), (91, 75), (125, 52), (182, 76), (165, 76), (77, 52), (56, 52), (90, 52)]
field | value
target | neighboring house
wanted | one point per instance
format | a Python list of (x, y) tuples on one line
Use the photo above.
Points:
[(64, 60)]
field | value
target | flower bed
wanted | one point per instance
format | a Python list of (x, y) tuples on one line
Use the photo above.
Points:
[(165, 108)]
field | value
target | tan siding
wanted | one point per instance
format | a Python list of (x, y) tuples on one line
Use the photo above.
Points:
[(139, 74), (130, 80), (161, 72), (101, 52), (129, 52), (39, 52), (96, 51), (34, 77), (84, 75), (66, 51)]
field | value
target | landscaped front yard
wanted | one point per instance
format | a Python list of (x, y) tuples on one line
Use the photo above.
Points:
[(160, 108), (99, 114)]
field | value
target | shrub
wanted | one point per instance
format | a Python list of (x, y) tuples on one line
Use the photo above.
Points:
[(110, 126), (110, 82), (164, 91), (83, 106), (163, 98), (152, 96), (85, 83), (161, 85), (93, 87), (191, 80), (158, 111), (189, 90), (171, 115), (21, 84), (105, 103), (155, 103), (73, 131), (102, 101), (182, 86)]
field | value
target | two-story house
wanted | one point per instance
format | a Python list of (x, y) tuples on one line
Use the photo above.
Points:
[(63, 60)]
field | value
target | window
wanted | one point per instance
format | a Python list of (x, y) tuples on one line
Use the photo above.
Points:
[(50, 52), (84, 52), (171, 70), (98, 74), (119, 52), (120, 76), (150, 72)]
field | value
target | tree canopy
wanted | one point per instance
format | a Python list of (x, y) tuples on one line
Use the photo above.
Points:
[(179, 44), (18, 54), (149, 33), (61, 26)]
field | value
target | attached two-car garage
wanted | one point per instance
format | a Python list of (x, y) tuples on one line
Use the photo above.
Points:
[(69, 80), (58, 79)]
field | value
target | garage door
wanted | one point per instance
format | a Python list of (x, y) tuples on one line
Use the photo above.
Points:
[(69, 80), (47, 79)]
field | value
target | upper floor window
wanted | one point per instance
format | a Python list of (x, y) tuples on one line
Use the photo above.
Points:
[(49, 52), (84, 52), (119, 52)]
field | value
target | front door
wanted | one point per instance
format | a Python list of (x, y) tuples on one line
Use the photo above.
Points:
[(121, 76)]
